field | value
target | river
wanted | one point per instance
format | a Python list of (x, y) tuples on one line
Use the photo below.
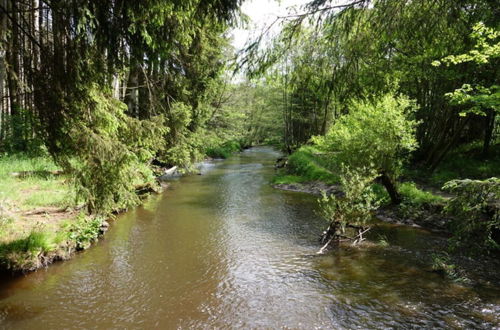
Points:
[(226, 250)]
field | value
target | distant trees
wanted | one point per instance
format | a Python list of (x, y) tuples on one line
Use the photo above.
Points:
[(108, 85), (333, 53)]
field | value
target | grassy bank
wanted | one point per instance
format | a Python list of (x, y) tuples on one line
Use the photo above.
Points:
[(225, 149), (467, 209), (305, 165), (40, 218)]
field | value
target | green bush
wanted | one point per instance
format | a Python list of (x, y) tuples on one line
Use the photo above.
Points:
[(376, 136), (84, 231), (476, 214), (414, 195)]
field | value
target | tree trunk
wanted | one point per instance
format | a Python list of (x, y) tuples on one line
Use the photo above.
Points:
[(13, 76), (391, 188), (488, 133), (3, 36)]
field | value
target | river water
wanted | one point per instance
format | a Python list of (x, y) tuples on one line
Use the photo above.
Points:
[(226, 250)]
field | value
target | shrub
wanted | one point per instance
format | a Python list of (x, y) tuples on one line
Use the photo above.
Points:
[(476, 212), (377, 136), (224, 150), (353, 210), (414, 195)]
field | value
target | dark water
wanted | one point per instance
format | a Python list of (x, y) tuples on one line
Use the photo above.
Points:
[(225, 250)]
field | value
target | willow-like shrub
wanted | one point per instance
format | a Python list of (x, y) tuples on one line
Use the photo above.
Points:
[(376, 136)]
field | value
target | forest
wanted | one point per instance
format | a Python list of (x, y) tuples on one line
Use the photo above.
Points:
[(395, 102)]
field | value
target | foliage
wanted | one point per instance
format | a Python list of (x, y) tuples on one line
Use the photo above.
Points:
[(414, 195), (476, 212), (84, 231), (225, 150), (329, 55), (486, 49), (375, 136), (358, 202), (112, 150)]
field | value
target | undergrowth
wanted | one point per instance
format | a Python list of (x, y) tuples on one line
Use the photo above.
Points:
[(464, 162), (307, 164), (224, 150)]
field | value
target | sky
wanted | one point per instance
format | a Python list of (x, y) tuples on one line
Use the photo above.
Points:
[(262, 13)]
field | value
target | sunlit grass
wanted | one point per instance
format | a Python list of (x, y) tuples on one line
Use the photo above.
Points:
[(35, 185), (412, 193), (310, 166)]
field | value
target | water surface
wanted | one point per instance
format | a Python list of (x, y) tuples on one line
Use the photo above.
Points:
[(226, 250)]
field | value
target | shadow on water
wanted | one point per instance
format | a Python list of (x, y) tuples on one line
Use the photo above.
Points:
[(224, 249)]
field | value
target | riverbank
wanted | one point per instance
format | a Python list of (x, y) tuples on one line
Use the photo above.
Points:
[(422, 208), (205, 238), (41, 220)]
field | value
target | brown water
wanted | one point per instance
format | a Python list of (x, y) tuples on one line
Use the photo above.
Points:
[(225, 250)]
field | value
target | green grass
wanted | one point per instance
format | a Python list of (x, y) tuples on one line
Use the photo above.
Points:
[(24, 253), (224, 150), (307, 164), (287, 179), (34, 242), (39, 188), (413, 194)]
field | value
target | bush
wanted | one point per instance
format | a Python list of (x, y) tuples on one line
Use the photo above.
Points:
[(224, 150), (476, 212), (353, 210), (376, 136), (84, 231), (414, 195)]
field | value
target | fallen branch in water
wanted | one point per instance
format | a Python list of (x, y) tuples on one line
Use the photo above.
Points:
[(335, 234)]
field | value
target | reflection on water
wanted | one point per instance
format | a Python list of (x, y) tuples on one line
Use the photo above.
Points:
[(225, 250)]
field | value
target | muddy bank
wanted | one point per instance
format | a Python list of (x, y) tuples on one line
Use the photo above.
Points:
[(430, 217)]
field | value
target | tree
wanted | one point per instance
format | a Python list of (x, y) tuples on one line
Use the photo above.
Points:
[(375, 136), (479, 99)]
